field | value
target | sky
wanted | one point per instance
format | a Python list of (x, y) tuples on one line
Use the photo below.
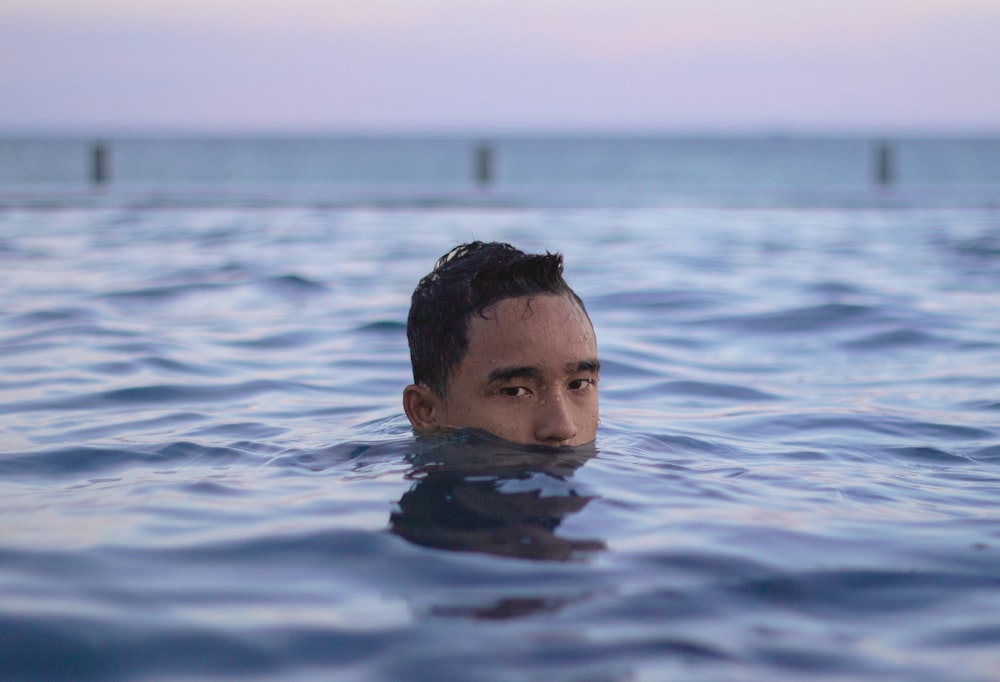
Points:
[(621, 66)]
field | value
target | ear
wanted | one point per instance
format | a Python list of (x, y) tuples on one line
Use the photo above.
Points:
[(422, 408)]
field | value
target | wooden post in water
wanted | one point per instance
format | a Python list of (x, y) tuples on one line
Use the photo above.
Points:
[(484, 164), (99, 163), (885, 172)]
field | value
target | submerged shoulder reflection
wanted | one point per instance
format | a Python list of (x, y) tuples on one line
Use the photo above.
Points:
[(475, 492)]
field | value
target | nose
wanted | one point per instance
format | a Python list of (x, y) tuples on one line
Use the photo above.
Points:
[(554, 422)]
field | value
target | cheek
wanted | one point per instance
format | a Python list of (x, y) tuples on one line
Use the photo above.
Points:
[(474, 411), (589, 416)]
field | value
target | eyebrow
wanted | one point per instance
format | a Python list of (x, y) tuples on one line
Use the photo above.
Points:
[(508, 373), (528, 372)]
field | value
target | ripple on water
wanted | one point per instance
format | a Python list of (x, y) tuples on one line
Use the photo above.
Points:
[(811, 319), (294, 285), (162, 395), (722, 392), (853, 425), (74, 461), (897, 338), (165, 292)]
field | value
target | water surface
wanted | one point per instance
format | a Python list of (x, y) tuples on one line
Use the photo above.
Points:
[(205, 471)]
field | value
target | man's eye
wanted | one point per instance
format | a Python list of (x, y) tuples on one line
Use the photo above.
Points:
[(514, 391), (578, 384)]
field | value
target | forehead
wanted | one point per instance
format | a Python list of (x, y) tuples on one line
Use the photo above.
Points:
[(532, 330)]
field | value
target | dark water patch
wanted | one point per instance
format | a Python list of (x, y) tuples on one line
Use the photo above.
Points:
[(187, 451), (342, 412), (393, 327), (229, 273), (59, 315), (969, 636), (172, 366), (897, 338), (505, 609), (162, 293), (989, 453), (115, 369), (989, 405), (89, 649), (847, 593), (67, 568), (547, 657), (926, 454), (160, 394), (984, 246), (517, 655), (210, 489), (30, 347), (35, 382), (940, 431), (322, 459), (973, 481), (656, 300), (835, 290), (963, 378), (160, 364), (143, 346), (334, 550), (221, 236), (284, 340), (806, 455), (74, 461), (704, 565), (103, 431), (620, 366), (73, 331), (810, 319), (294, 285), (186, 393), (840, 425), (8, 247), (687, 650), (866, 495), (721, 392), (815, 661)]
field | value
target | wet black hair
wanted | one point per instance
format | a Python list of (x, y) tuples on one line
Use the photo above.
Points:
[(464, 282)]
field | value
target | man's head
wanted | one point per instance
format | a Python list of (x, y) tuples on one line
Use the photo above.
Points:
[(498, 341)]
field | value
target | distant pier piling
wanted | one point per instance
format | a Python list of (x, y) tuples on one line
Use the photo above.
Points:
[(484, 164), (885, 165), (99, 162)]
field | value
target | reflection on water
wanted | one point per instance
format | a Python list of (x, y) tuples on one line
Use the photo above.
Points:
[(474, 492)]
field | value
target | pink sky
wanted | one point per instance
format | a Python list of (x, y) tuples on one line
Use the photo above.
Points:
[(315, 66)]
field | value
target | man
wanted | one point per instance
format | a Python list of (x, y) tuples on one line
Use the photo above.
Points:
[(499, 342)]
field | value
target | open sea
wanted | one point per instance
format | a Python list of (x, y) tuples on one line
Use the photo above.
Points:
[(205, 472)]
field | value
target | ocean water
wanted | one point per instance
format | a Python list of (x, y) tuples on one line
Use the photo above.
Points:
[(205, 472)]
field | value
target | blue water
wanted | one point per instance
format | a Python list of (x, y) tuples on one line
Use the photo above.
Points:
[(205, 472)]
